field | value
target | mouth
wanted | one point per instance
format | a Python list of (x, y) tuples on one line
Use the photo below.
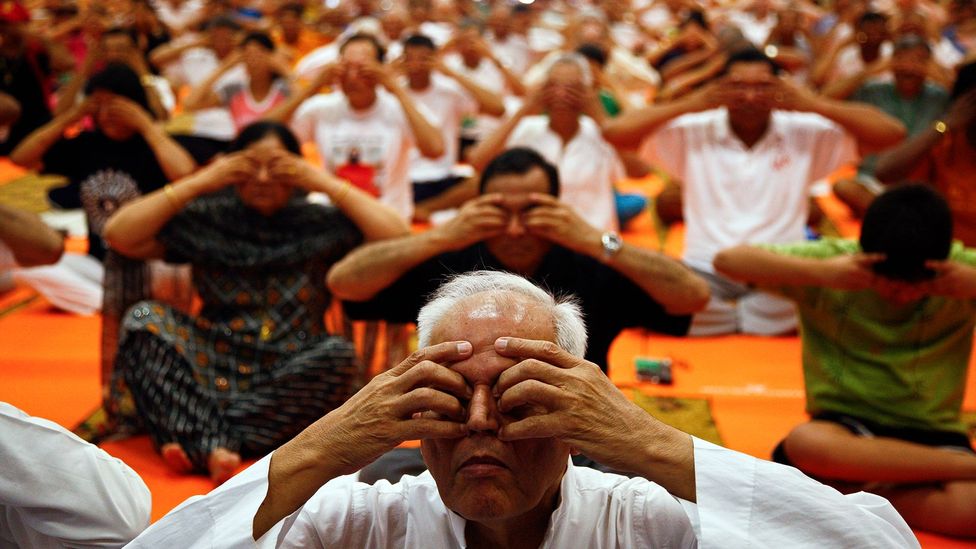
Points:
[(482, 466)]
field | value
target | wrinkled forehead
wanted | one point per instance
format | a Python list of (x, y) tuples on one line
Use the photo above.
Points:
[(483, 318)]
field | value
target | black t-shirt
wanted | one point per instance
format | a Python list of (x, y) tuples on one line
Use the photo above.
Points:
[(102, 175), (22, 77), (610, 301)]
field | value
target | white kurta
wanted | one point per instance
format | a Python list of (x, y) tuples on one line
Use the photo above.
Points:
[(742, 502), (57, 490)]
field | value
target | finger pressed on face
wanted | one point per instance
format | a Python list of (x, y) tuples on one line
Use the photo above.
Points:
[(434, 375), (428, 399)]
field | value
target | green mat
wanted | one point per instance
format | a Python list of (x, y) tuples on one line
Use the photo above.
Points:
[(29, 193), (691, 415)]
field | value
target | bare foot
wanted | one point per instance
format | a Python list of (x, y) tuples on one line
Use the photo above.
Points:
[(222, 464), (175, 457)]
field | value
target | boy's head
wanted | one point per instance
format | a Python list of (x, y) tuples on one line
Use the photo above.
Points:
[(909, 225)]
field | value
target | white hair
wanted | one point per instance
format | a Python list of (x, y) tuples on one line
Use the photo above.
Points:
[(576, 59), (566, 313)]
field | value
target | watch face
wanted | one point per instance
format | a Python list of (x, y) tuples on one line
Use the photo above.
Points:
[(611, 243)]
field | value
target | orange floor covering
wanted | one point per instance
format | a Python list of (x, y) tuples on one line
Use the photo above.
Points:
[(49, 368)]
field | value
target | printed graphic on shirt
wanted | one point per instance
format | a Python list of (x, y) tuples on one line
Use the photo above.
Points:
[(103, 192), (359, 160)]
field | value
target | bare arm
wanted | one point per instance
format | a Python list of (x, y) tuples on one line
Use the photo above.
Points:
[(429, 141), (488, 102), (873, 128), (165, 54), (488, 148), (31, 150), (766, 268), (628, 131), (203, 95), (845, 87), (31, 241)]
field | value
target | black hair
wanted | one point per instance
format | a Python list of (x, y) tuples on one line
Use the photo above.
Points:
[(365, 37), (420, 41), (519, 161), (122, 31), (120, 79), (965, 81), (908, 224), (749, 55), (694, 16), (521, 8), (257, 131), (295, 7), (594, 53), (260, 38), (223, 22), (871, 17)]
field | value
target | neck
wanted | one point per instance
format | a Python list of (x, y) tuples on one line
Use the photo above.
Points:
[(471, 61), (749, 134), (565, 125), (362, 101), (526, 531), (870, 52), (260, 86), (419, 82)]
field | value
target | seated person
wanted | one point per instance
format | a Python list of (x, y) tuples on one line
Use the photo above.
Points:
[(887, 336), (944, 156), (561, 121), (57, 490), (500, 396), (125, 155), (25, 241), (518, 225), (911, 97), (257, 364)]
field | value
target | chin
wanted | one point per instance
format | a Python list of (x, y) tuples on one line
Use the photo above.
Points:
[(482, 504)]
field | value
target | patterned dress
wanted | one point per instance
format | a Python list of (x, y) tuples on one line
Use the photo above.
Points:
[(256, 365)]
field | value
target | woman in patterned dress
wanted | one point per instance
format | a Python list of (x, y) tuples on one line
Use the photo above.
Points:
[(256, 365)]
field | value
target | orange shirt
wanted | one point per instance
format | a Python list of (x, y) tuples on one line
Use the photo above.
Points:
[(308, 40)]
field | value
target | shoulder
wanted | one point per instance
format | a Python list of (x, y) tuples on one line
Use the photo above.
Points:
[(323, 105), (794, 121)]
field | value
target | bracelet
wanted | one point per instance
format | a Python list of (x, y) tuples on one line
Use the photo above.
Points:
[(940, 127), (341, 195), (171, 195)]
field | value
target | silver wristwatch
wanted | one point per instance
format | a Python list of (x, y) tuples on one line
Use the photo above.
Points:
[(611, 244)]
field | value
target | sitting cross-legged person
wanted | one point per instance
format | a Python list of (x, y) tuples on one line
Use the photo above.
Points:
[(257, 364), (887, 331)]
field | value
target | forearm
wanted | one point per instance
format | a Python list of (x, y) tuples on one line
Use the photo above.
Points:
[(68, 96), (32, 242), (762, 267), (844, 88), (369, 269), (897, 163), (669, 461), (173, 158), (489, 102), (31, 150), (513, 82), (133, 228), (429, 140), (628, 131), (376, 220), (872, 127), (488, 148), (284, 111)]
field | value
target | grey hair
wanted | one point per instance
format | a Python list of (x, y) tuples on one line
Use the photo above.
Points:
[(573, 58), (566, 312)]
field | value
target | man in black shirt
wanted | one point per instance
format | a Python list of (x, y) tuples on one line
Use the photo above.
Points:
[(518, 225)]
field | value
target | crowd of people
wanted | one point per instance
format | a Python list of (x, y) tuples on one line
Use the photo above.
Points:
[(255, 173)]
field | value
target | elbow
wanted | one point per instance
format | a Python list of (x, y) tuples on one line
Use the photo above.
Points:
[(694, 298), (433, 148), (343, 285), (726, 261)]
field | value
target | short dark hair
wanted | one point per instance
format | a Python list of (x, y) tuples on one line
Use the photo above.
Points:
[(419, 41), (222, 22), (909, 224), (519, 161), (871, 17), (120, 79), (365, 37), (594, 53), (750, 55), (965, 81), (259, 38), (257, 131), (694, 16)]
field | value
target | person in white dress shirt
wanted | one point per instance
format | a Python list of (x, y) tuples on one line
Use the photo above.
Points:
[(501, 397)]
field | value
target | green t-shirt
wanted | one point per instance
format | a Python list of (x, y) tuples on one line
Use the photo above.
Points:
[(864, 356), (917, 113)]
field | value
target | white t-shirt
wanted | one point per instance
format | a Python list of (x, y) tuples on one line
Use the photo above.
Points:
[(370, 148), (448, 104), (513, 52), (741, 502), (57, 490), (733, 195), (588, 166), (849, 61), (489, 77)]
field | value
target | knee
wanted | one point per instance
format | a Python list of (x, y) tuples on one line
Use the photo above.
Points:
[(808, 446)]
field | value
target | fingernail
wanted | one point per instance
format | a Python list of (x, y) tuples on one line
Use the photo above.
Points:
[(463, 348), (501, 343)]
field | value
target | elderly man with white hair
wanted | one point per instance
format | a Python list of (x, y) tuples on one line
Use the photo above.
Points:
[(561, 121), (501, 398)]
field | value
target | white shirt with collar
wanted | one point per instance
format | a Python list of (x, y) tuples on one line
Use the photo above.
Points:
[(57, 490), (588, 166), (742, 502), (374, 142), (735, 195)]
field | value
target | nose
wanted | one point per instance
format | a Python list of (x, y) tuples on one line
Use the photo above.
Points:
[(482, 410), (515, 226)]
